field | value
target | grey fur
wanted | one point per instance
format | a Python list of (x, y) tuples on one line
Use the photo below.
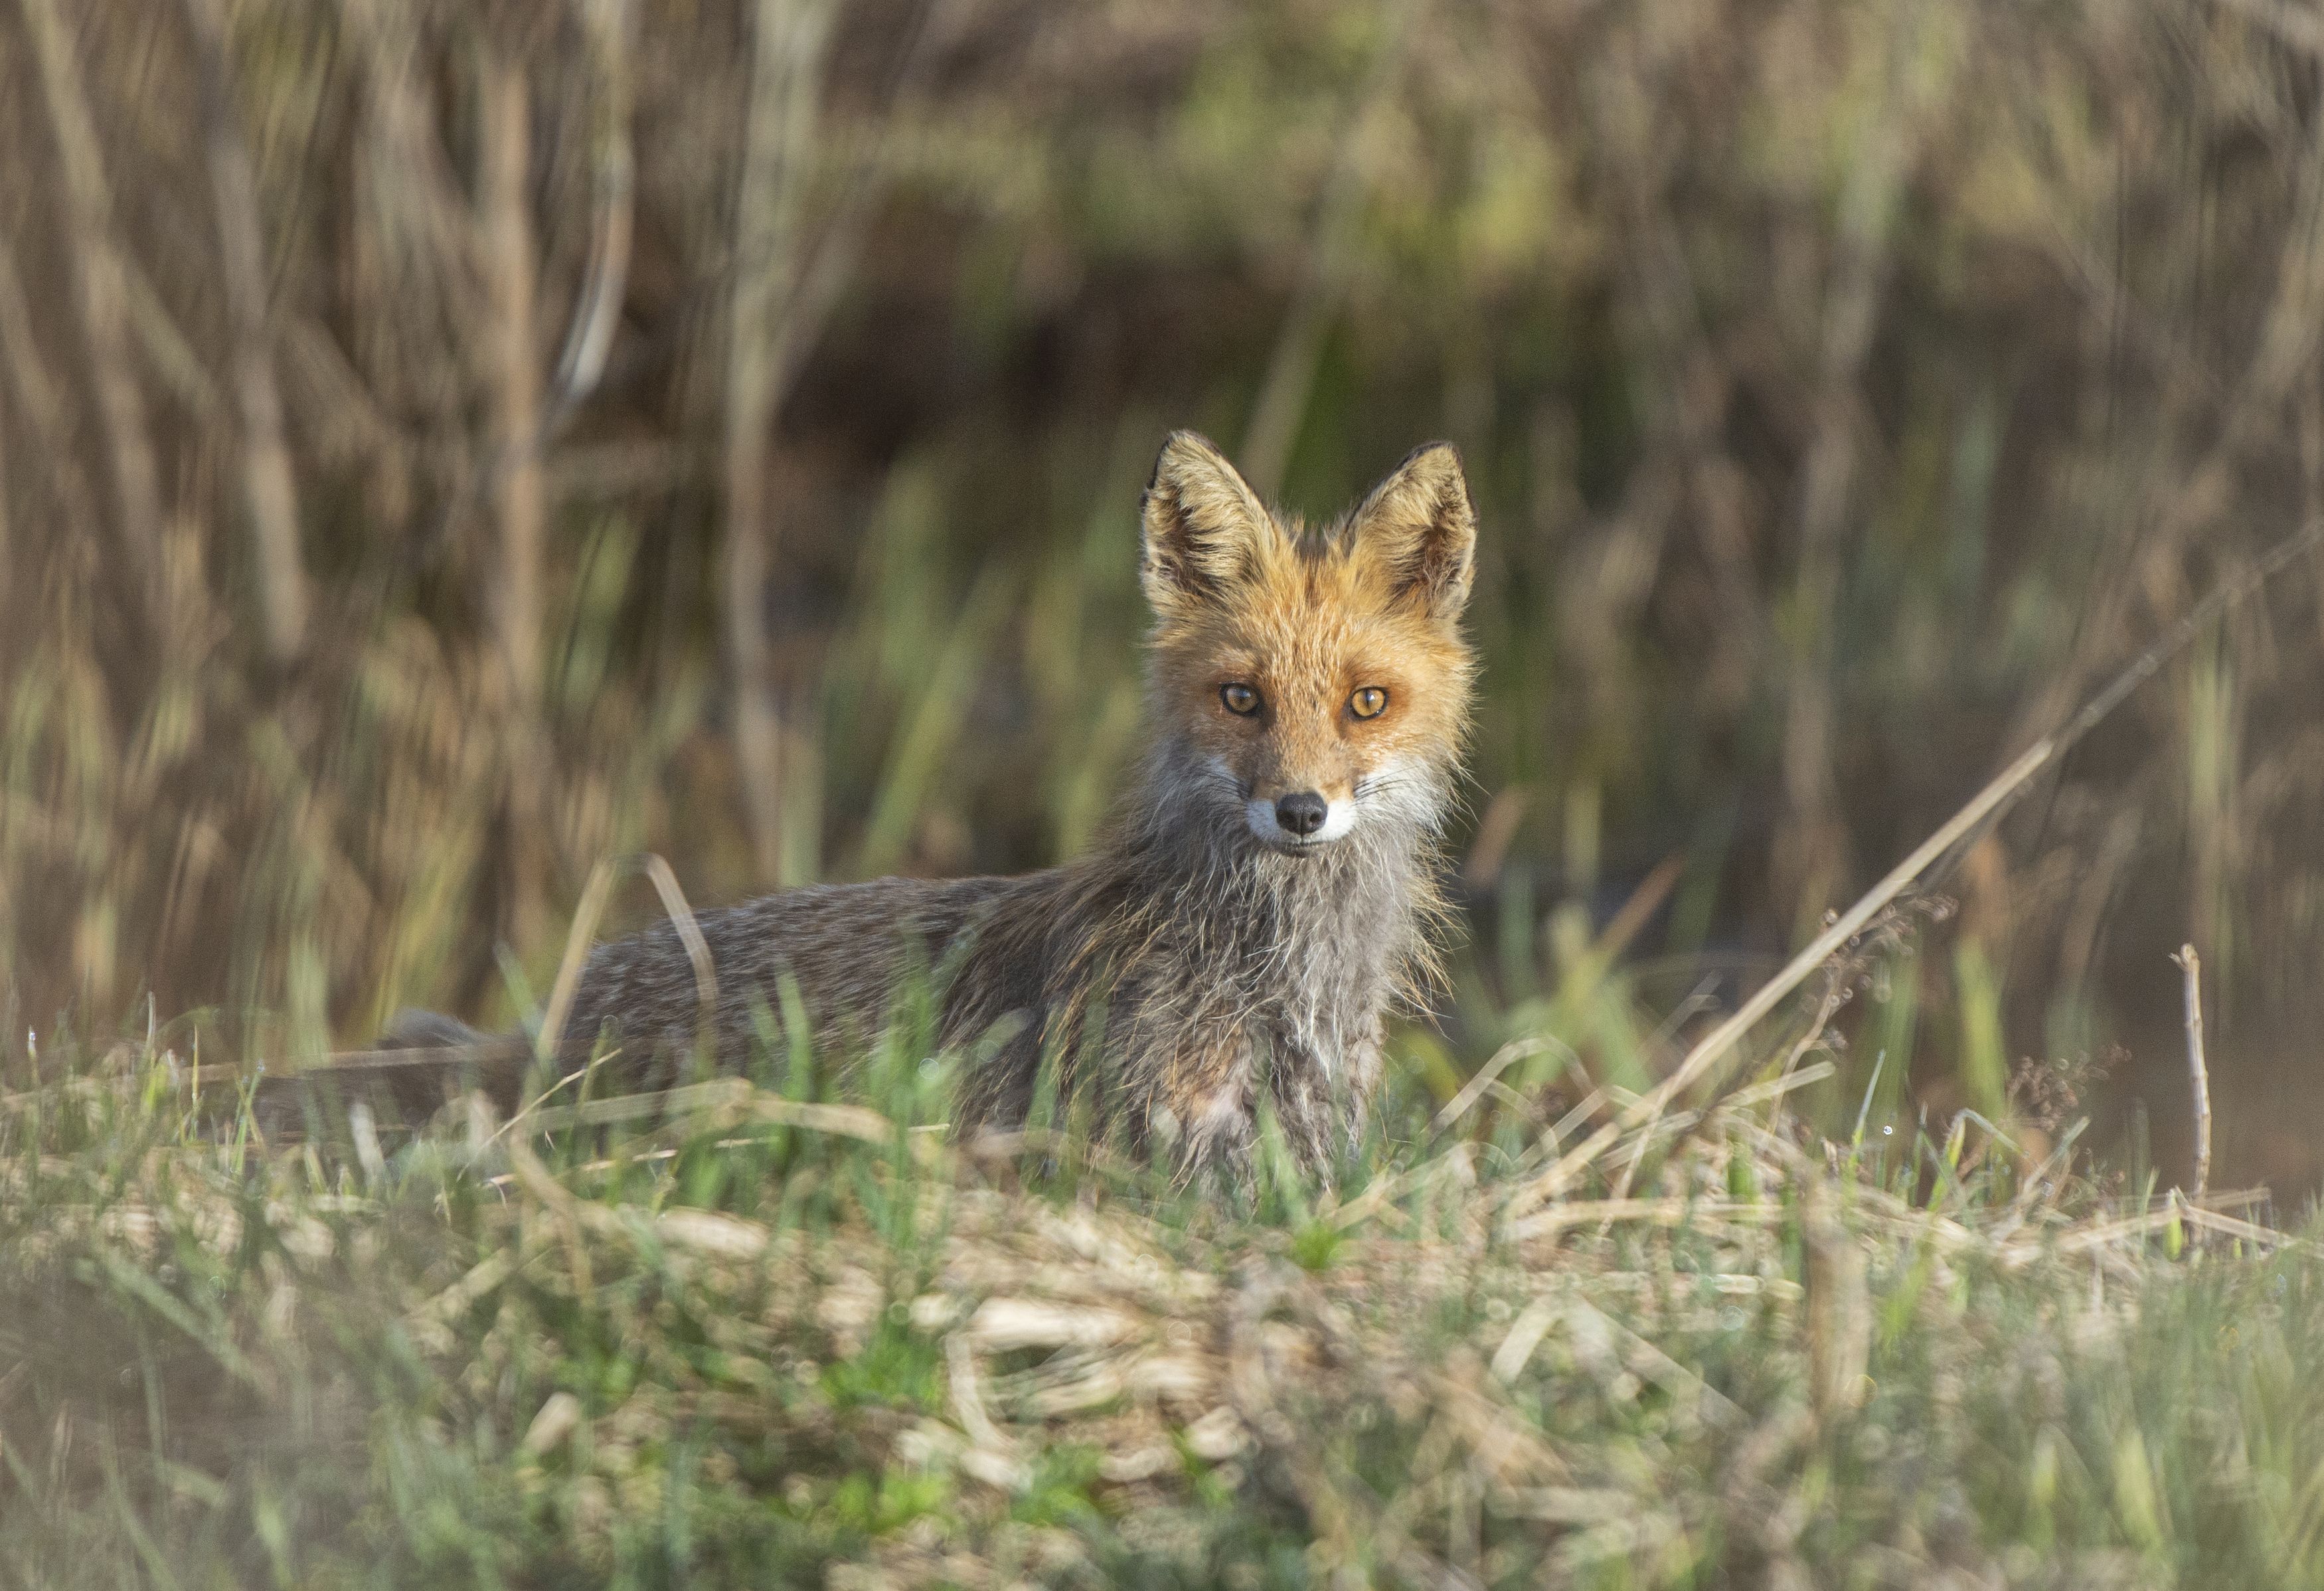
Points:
[(1221, 965)]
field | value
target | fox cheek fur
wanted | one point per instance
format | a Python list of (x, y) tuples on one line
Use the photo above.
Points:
[(1266, 892)]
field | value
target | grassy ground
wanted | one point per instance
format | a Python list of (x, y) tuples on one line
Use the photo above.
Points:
[(760, 1336)]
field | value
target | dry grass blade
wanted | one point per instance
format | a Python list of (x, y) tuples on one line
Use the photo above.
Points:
[(577, 940), (689, 934), (2198, 1071), (727, 1099), (1506, 1056)]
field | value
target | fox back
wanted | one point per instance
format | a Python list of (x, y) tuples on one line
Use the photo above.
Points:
[(1265, 896)]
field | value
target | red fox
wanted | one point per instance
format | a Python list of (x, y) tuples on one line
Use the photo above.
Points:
[(1265, 894)]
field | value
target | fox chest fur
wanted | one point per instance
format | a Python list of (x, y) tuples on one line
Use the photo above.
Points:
[(1264, 898)]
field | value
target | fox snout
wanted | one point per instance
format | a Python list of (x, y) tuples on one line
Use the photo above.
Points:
[(1302, 812), (1300, 819)]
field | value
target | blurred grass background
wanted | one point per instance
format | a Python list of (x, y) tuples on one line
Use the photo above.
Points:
[(444, 444)]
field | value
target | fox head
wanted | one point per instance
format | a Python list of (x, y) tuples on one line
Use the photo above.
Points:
[(1309, 684)]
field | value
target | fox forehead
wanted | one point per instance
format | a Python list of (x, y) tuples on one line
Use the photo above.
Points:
[(1311, 614), (1311, 627)]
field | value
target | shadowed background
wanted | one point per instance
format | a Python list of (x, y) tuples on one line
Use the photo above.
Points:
[(445, 445)]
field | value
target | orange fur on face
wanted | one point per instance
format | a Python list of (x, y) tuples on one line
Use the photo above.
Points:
[(1307, 618), (1307, 636)]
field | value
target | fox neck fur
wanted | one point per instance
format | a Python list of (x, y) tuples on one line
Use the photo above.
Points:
[(1229, 974)]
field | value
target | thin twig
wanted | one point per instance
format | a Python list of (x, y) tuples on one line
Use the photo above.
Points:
[(1714, 1046), (2192, 969)]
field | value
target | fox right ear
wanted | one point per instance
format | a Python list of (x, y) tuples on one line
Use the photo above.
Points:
[(1420, 526), (1205, 530)]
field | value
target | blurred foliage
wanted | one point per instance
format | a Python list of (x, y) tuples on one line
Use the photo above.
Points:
[(1845, 388)]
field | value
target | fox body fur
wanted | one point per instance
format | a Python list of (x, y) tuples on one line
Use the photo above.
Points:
[(1264, 898)]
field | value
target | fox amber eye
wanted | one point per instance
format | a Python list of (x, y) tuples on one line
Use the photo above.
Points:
[(1242, 700), (1369, 702)]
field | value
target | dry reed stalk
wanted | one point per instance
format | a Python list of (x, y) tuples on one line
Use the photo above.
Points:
[(40, 404), (36, 389), (689, 934), (270, 490), (1495, 832), (788, 44), (101, 298), (731, 1099), (508, 251), (2198, 1073), (1715, 1045), (607, 34), (184, 373), (8, 561), (1838, 1307)]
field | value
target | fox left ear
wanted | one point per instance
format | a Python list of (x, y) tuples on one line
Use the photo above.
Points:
[(1206, 530), (1419, 526)]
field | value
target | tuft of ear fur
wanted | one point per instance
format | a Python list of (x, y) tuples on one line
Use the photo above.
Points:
[(1205, 530), (1419, 527)]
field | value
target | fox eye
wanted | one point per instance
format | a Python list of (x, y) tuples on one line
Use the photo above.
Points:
[(1369, 702), (1241, 701)]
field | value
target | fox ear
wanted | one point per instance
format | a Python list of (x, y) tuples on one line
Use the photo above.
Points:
[(1205, 530), (1418, 526)]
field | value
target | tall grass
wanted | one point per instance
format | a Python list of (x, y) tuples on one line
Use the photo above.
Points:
[(757, 1334)]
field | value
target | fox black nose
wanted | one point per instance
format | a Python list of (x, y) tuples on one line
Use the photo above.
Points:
[(1301, 812)]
